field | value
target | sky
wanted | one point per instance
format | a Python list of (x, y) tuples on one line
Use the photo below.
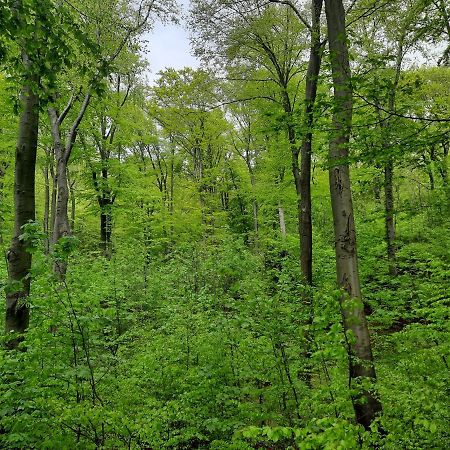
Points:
[(168, 46)]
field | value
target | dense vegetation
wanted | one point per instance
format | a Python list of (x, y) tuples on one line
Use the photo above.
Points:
[(254, 254)]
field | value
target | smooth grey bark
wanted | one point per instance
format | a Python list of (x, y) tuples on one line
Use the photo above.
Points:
[(18, 258), (73, 203), (361, 366), (61, 226), (46, 220), (54, 194), (282, 220)]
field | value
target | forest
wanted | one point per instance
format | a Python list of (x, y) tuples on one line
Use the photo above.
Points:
[(249, 254)]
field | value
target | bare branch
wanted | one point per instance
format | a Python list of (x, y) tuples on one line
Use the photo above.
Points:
[(296, 11)]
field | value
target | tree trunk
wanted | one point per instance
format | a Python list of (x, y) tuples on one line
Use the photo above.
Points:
[(19, 259), (297, 181), (389, 215), (73, 203), (61, 226), (306, 148), (105, 229), (54, 195), (282, 220), (361, 366), (255, 206), (389, 210), (444, 165), (46, 207), (105, 202), (3, 167)]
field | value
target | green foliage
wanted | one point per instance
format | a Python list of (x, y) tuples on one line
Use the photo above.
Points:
[(191, 327)]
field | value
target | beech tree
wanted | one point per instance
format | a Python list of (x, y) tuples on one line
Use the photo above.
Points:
[(361, 365), (30, 52)]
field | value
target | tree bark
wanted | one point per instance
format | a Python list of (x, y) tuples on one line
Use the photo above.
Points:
[(255, 206), (54, 195), (312, 75), (105, 201), (282, 220), (389, 166), (46, 206), (361, 366), (61, 225), (73, 203), (444, 165), (3, 167), (19, 259), (389, 216)]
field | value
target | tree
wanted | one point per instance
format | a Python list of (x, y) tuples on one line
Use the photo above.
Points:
[(361, 365), (260, 37), (135, 19), (29, 54)]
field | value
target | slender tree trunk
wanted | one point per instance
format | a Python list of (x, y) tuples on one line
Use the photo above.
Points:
[(19, 260), (46, 207), (429, 166), (106, 203), (389, 215), (282, 220), (361, 366), (54, 193), (389, 203), (254, 201), (297, 180), (61, 226), (73, 204), (106, 229), (3, 167), (312, 75), (444, 165)]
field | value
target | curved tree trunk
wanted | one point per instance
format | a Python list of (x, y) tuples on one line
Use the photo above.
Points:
[(19, 259), (361, 366)]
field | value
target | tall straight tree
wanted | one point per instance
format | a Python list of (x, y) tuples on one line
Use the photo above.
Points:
[(22, 28), (19, 259), (361, 365), (305, 151)]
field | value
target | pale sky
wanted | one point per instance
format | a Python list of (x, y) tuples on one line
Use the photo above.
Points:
[(168, 46)]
